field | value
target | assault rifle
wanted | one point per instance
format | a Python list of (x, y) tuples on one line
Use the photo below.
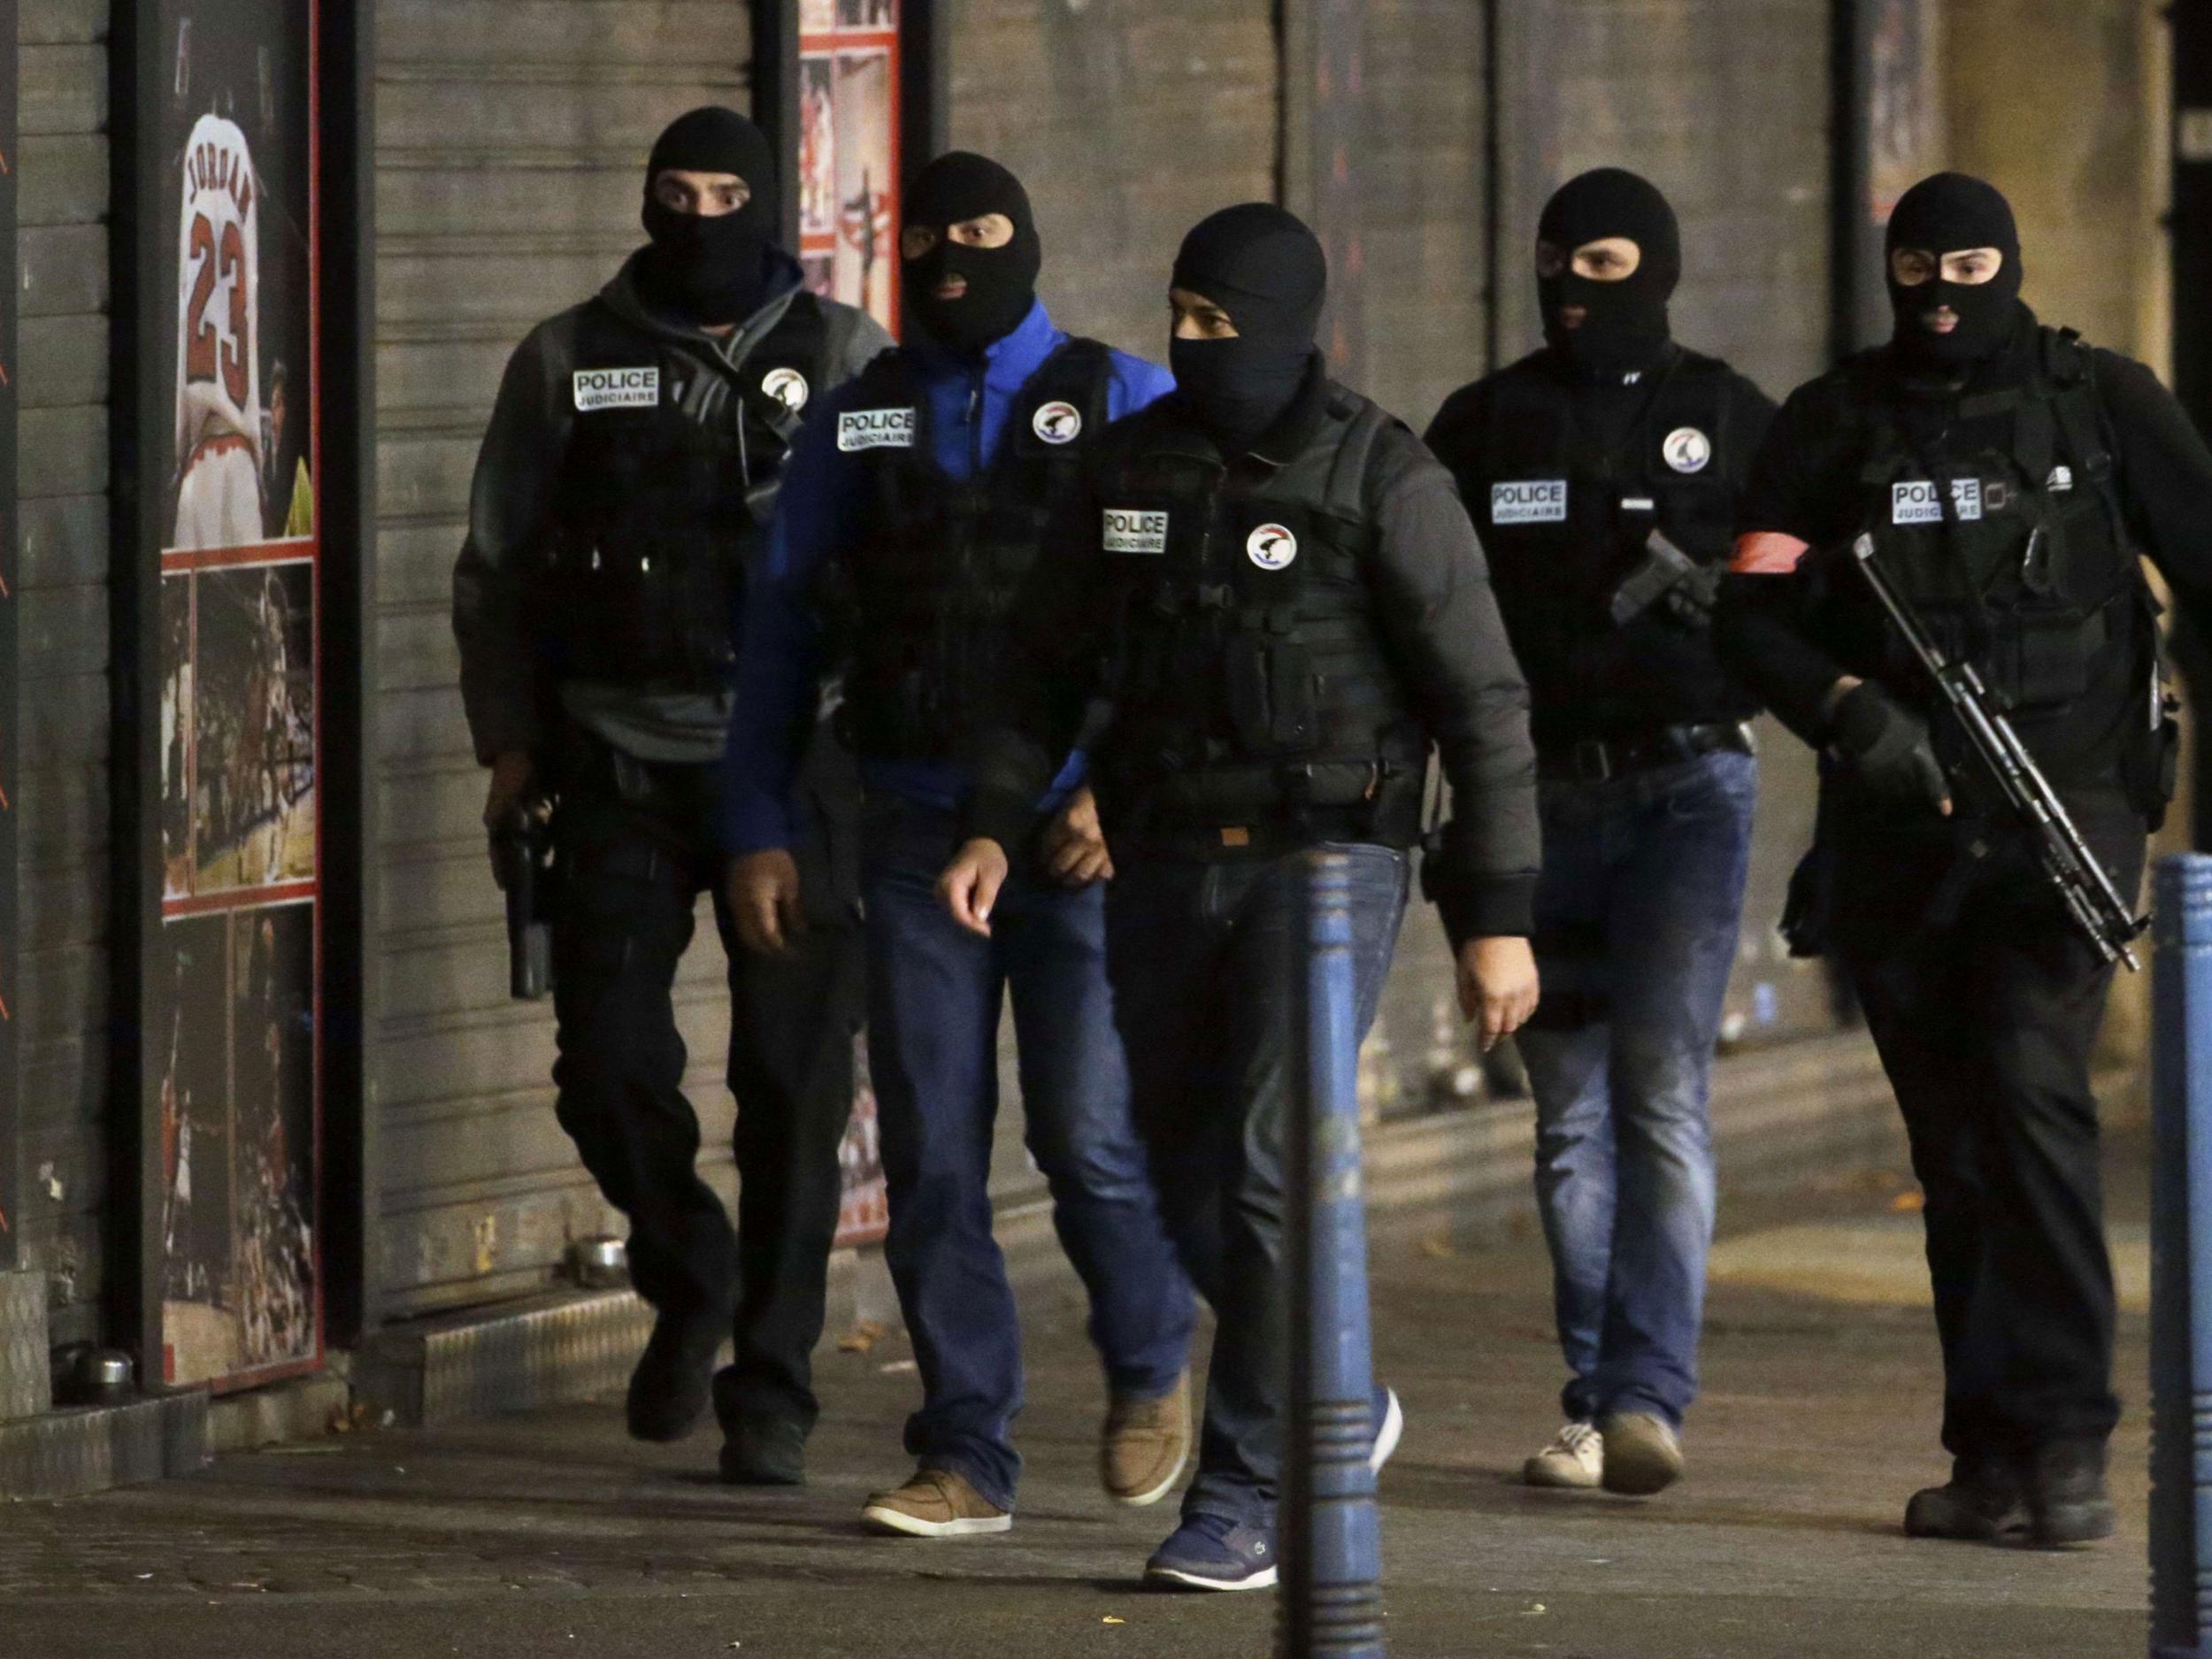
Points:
[(2105, 919), (522, 850), (1667, 572)]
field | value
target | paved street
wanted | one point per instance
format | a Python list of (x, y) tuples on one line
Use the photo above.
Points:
[(550, 1533)]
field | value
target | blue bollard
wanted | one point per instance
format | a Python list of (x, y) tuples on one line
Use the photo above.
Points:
[(1330, 1536), (2181, 1262)]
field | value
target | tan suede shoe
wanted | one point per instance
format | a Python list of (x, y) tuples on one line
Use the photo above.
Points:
[(935, 1503), (1144, 1446)]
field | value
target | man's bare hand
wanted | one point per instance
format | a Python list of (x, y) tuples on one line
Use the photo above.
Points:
[(1075, 851), (513, 774), (763, 891), (1497, 987), (970, 886)]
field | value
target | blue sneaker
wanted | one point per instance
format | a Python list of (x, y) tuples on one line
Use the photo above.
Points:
[(1211, 1552)]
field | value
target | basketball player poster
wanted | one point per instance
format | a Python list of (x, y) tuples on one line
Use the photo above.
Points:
[(233, 980), (849, 152)]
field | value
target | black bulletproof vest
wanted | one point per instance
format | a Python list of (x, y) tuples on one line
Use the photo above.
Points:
[(672, 468), (2005, 533), (1565, 518), (937, 561), (1251, 684)]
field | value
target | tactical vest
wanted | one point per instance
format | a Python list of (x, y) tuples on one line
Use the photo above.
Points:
[(672, 468), (1566, 519), (936, 562), (2006, 534), (1254, 700)]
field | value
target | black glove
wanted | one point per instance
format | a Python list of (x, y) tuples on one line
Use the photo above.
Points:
[(1888, 747)]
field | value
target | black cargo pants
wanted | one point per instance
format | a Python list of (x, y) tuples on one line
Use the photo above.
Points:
[(1985, 1003), (635, 844)]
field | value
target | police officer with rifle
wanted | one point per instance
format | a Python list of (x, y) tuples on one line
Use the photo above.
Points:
[(1937, 584), (632, 462)]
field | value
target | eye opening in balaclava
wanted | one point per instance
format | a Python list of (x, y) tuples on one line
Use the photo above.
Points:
[(711, 269), (1263, 267), (1624, 327), (1944, 213), (1002, 281)]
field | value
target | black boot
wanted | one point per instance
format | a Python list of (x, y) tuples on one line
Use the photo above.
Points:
[(669, 1388), (2067, 1500), (768, 1452), (1983, 1501), (761, 1446)]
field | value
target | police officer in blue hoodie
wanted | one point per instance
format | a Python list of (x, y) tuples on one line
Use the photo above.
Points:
[(917, 501)]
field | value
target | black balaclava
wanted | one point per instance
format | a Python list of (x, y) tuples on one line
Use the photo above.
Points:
[(1949, 212), (1002, 281), (1624, 327), (1263, 267), (710, 270)]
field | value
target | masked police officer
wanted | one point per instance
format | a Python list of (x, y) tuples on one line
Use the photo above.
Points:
[(631, 459), (1287, 609), (2008, 476), (914, 507), (1604, 471)]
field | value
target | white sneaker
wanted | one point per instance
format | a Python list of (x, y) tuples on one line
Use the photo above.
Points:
[(1647, 1454), (1575, 1460), (1388, 1433)]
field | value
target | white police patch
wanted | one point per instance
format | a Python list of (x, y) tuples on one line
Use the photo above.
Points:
[(788, 387), (1271, 547), (1057, 422), (1129, 530), (617, 388), (2062, 478), (1914, 500), (1687, 449), (875, 429), (1531, 500)]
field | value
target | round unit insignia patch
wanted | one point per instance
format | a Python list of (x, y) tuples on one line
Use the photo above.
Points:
[(1271, 547), (1687, 449), (1057, 422), (787, 386)]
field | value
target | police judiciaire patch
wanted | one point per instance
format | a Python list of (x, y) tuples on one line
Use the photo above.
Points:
[(617, 388), (876, 429), (787, 386), (1271, 547), (1056, 422), (1129, 530), (1530, 501), (1914, 500)]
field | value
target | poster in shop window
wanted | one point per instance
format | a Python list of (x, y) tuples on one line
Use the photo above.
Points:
[(849, 116), (232, 992)]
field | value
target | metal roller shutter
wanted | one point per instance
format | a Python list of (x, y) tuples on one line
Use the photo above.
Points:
[(511, 136)]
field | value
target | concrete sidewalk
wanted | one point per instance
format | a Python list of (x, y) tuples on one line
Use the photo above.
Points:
[(549, 1534)]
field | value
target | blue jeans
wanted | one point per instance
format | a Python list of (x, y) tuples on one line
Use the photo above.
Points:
[(934, 992), (1207, 966), (1636, 928)]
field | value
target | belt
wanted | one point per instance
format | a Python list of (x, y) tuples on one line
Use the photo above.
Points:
[(1594, 760)]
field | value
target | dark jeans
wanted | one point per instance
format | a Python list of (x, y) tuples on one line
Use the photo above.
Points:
[(1985, 1005), (1636, 927), (935, 991), (1206, 965), (636, 848)]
